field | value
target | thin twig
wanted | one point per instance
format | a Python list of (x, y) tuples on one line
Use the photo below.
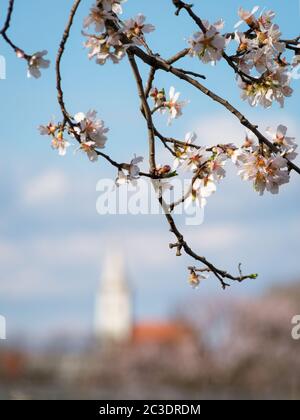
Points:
[(147, 111)]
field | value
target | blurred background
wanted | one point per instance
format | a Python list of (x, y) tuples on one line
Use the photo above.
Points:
[(98, 306)]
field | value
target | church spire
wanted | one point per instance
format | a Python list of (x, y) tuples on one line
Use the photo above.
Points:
[(113, 314)]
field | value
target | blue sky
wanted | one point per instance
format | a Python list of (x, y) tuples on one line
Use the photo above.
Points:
[(52, 241)]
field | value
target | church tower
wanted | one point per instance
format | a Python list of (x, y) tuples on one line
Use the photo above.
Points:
[(113, 312)]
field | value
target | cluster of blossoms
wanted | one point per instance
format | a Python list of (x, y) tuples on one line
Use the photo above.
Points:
[(208, 46), (56, 132), (263, 73), (86, 128), (266, 169), (207, 166), (172, 105), (91, 132), (260, 49), (112, 36)]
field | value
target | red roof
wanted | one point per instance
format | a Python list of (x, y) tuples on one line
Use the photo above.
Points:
[(159, 332)]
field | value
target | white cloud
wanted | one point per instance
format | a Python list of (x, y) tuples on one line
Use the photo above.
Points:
[(45, 187), (217, 128), (40, 260), (215, 238)]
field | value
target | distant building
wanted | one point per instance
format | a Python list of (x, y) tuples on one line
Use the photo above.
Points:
[(114, 321), (114, 306)]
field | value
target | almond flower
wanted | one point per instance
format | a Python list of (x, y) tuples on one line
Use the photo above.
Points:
[(135, 28), (245, 43), (92, 133), (113, 6), (271, 38), (194, 158), (247, 17), (88, 147), (254, 55), (174, 106), (266, 173), (250, 145), (286, 144), (133, 172), (216, 166), (195, 279), (250, 141), (48, 130), (90, 128), (182, 154), (265, 20), (208, 46), (262, 59), (60, 144), (200, 191), (37, 62), (105, 47), (275, 86), (206, 185), (97, 17)]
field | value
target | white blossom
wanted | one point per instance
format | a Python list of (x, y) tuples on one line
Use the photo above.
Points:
[(37, 62), (216, 166), (274, 86), (271, 38), (173, 105), (265, 20), (182, 154), (113, 6), (202, 188), (88, 147), (97, 17), (105, 47), (247, 16), (245, 43), (91, 129), (266, 173), (47, 130), (208, 46), (60, 144), (133, 172), (195, 279), (194, 158), (92, 133), (286, 145), (135, 28)]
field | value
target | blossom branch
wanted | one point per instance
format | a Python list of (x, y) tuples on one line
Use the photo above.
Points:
[(181, 244), (292, 44), (266, 161), (161, 64)]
